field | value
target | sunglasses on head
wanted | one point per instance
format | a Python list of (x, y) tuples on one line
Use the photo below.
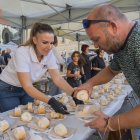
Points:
[(87, 23)]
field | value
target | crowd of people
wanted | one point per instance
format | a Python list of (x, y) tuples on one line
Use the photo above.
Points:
[(82, 68)]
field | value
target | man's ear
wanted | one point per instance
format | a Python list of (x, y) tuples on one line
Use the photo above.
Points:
[(113, 28)]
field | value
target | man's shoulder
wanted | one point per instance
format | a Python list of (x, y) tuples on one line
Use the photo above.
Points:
[(94, 59), (135, 40), (6, 55), (137, 30)]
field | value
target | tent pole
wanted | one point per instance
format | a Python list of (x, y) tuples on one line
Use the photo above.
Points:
[(23, 28), (78, 39), (79, 46)]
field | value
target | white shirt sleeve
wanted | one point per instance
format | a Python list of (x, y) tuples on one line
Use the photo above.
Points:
[(51, 61), (21, 60)]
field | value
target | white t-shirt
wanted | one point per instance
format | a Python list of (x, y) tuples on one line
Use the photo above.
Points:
[(25, 60)]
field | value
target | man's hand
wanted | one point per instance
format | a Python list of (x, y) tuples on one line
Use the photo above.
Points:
[(100, 123), (85, 86)]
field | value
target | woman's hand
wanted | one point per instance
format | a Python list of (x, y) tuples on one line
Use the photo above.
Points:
[(77, 101), (100, 123), (79, 76), (76, 75), (57, 106)]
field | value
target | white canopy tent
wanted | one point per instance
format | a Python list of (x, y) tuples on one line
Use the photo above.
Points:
[(64, 15)]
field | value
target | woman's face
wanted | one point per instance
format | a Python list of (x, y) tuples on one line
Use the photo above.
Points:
[(101, 53), (44, 43), (76, 57)]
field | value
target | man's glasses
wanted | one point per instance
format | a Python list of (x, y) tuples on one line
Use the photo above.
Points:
[(87, 23)]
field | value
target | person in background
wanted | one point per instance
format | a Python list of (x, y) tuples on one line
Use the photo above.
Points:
[(2, 62), (98, 62), (69, 60), (27, 66), (74, 70), (7, 55), (3, 53), (86, 62)]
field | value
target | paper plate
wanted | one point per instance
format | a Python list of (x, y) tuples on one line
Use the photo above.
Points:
[(33, 125), (11, 115), (53, 136)]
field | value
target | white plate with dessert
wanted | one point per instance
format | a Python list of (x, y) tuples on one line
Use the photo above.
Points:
[(19, 133), (40, 125), (85, 112), (16, 113), (61, 132), (55, 116)]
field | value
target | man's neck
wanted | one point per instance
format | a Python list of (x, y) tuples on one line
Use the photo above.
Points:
[(127, 28)]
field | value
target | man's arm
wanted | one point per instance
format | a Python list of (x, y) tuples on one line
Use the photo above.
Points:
[(102, 77), (127, 120), (97, 69), (133, 117)]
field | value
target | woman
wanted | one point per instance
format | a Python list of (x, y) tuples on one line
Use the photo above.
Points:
[(74, 70), (28, 65), (98, 62)]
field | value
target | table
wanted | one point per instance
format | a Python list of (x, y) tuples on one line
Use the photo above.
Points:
[(83, 132), (2, 66)]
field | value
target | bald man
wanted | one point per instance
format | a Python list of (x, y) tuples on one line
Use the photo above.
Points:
[(111, 31)]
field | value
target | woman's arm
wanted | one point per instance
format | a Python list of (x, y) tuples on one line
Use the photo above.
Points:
[(59, 81), (26, 83), (24, 78)]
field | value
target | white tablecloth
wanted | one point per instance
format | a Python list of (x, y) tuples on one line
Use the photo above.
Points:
[(83, 132)]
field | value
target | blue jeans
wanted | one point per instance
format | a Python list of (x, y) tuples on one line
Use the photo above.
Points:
[(11, 96)]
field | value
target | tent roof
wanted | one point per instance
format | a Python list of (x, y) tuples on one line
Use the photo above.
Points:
[(64, 15)]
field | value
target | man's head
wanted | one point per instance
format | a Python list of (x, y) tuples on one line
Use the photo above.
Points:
[(105, 27), (85, 48), (8, 50)]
